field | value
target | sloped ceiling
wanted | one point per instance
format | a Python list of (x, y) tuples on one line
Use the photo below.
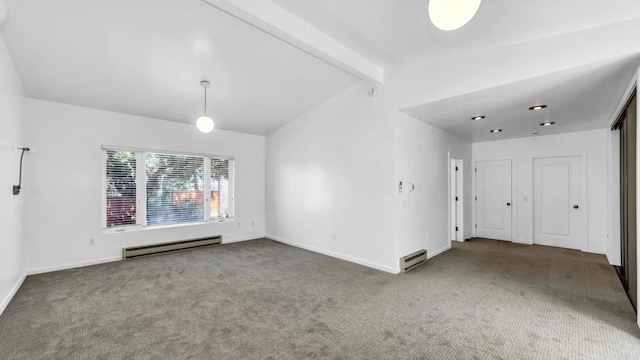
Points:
[(147, 57)]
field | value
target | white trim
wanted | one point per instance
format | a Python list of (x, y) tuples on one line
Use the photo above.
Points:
[(206, 190), (280, 23), (128, 228), (438, 252), (164, 152), (523, 242), (627, 96), (7, 299), (614, 253), (73, 265), (243, 238), (118, 258), (593, 251), (335, 255)]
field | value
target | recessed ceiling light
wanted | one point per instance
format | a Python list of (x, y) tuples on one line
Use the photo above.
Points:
[(537, 107), (548, 123), (478, 117), (496, 131), (535, 132), (452, 14)]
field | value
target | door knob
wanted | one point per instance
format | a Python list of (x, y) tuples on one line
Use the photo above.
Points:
[(508, 204), (576, 206)]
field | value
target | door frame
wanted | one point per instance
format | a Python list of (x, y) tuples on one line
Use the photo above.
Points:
[(514, 191), (458, 186), (583, 193)]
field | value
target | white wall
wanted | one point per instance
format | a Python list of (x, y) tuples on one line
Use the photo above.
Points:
[(423, 160), (592, 145), (12, 256), (335, 171), (341, 151), (63, 183), (331, 181)]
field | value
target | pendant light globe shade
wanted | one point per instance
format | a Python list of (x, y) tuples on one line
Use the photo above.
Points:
[(452, 14), (205, 124)]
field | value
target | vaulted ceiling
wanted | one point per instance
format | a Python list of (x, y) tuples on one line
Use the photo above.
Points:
[(147, 57)]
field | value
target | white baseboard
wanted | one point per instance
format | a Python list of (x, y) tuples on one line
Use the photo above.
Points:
[(118, 258), (431, 254), (523, 242), (242, 238), (7, 299), (599, 252), (336, 255), (72, 266)]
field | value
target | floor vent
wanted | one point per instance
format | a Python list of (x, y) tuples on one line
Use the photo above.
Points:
[(138, 251), (412, 261)]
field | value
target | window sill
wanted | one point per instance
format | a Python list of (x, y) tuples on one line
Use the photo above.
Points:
[(158, 227)]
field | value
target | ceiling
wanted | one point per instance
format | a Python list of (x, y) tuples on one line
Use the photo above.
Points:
[(147, 57), (397, 32), (582, 98)]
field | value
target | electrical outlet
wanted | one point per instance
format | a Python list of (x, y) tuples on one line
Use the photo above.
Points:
[(333, 236), (239, 224), (92, 242), (252, 224)]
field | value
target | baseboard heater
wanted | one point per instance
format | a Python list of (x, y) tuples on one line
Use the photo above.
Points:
[(138, 251), (412, 261)]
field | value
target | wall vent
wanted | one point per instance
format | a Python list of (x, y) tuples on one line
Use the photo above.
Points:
[(412, 261), (138, 251)]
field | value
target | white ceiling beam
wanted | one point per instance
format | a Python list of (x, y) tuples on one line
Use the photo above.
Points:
[(273, 19)]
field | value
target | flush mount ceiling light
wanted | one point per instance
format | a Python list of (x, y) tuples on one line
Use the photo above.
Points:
[(548, 123), (537, 107), (452, 14), (205, 123), (495, 131), (478, 117)]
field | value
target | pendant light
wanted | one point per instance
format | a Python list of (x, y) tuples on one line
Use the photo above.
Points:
[(204, 122), (452, 14)]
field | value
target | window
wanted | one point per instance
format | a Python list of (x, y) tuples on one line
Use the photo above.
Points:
[(121, 188), (220, 189), (146, 188)]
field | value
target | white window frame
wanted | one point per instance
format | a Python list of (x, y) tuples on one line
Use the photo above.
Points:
[(141, 189)]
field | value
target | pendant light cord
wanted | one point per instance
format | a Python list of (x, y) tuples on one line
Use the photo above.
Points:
[(205, 101)]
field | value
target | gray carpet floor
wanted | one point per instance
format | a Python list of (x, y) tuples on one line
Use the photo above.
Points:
[(262, 300)]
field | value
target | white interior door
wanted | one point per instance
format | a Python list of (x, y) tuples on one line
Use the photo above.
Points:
[(559, 215), (493, 199)]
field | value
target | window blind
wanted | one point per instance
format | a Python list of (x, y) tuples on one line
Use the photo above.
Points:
[(148, 188), (174, 188), (120, 188), (220, 189)]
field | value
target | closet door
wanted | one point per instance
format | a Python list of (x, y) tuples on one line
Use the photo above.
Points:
[(628, 211)]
